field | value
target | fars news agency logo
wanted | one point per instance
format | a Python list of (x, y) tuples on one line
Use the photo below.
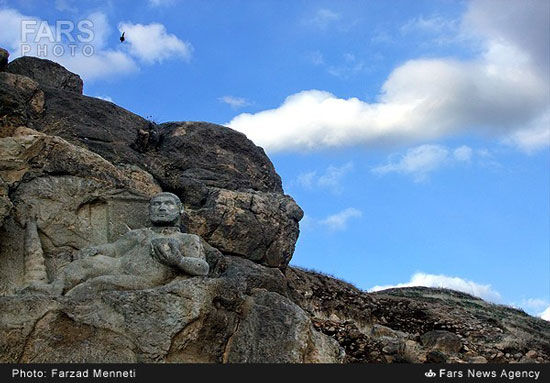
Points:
[(65, 37), (430, 374)]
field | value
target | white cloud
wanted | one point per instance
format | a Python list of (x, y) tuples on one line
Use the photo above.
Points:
[(101, 29), (335, 222), (324, 17), (443, 281), (106, 98), (486, 159), (307, 179), (418, 161), (433, 24), (234, 102), (330, 179), (545, 314), (380, 36), (422, 160), (152, 43), (333, 176), (519, 24), (534, 303), (161, 3), (534, 137), (463, 153), (10, 29), (498, 94), (339, 221), (316, 58), (65, 5), (350, 67), (103, 64)]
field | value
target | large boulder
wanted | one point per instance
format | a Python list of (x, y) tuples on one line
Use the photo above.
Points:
[(47, 73), (274, 328), (441, 340)]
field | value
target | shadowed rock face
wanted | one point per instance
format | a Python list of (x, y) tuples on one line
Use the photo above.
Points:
[(82, 171), (4, 54), (47, 73), (21, 100)]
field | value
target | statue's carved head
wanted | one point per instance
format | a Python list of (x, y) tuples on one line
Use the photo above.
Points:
[(165, 209)]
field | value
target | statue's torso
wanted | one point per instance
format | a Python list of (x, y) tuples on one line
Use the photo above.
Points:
[(139, 260)]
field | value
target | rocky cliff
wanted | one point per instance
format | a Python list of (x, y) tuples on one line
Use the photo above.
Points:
[(77, 171)]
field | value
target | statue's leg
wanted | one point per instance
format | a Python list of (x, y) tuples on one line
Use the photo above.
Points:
[(84, 269), (111, 282), (75, 273)]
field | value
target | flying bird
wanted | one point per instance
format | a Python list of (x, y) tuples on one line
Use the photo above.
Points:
[(122, 37)]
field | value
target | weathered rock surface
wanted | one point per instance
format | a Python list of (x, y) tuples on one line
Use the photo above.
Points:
[(4, 55), (200, 319), (418, 324), (82, 170), (20, 101), (442, 340), (46, 73)]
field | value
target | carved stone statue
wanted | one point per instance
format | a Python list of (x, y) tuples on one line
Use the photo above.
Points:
[(142, 258)]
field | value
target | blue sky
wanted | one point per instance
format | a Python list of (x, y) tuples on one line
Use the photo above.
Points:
[(415, 135)]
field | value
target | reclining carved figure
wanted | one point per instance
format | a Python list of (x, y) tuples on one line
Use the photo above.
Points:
[(142, 258)]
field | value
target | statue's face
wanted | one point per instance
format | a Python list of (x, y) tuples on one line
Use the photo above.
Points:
[(164, 209)]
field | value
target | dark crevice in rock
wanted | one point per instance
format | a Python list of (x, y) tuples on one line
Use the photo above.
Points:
[(225, 354)]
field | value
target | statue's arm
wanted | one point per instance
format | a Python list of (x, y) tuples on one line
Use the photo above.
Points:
[(193, 266), (91, 251), (187, 254), (193, 256), (115, 249)]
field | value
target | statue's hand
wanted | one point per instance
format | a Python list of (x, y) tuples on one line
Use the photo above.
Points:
[(165, 250)]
